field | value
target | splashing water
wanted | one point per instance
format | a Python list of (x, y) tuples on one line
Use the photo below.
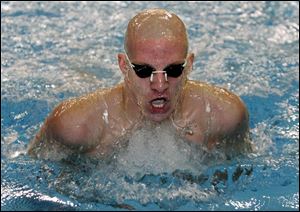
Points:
[(51, 51)]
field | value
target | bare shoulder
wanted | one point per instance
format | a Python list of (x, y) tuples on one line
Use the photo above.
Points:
[(80, 121), (76, 123), (73, 121), (227, 109), (226, 117)]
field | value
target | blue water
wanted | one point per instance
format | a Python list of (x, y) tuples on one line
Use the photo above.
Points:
[(51, 51)]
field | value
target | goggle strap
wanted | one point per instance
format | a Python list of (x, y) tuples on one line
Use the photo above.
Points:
[(184, 64), (131, 65)]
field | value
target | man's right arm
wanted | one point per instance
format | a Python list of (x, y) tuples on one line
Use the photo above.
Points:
[(71, 128)]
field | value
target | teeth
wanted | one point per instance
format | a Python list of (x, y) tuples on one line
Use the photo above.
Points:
[(158, 103)]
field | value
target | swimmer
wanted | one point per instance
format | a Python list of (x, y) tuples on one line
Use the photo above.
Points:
[(156, 89)]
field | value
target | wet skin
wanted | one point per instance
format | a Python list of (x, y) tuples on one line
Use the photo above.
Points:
[(93, 124), (200, 113)]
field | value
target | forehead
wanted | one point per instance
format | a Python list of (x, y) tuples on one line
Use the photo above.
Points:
[(158, 50)]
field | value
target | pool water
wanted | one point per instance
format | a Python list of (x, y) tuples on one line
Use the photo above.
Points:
[(52, 51)]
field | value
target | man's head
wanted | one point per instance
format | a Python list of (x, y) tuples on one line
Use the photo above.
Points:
[(154, 24), (155, 40)]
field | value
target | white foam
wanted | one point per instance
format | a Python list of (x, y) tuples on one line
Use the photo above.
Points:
[(157, 149), (105, 116), (207, 108)]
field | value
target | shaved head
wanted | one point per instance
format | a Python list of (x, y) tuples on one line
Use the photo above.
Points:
[(154, 24)]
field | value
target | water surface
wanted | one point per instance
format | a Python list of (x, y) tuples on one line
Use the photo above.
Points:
[(52, 51)]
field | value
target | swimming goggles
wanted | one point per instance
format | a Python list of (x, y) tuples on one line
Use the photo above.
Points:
[(144, 71)]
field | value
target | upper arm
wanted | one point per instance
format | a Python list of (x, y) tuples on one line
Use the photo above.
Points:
[(233, 125), (72, 126), (236, 118), (77, 126)]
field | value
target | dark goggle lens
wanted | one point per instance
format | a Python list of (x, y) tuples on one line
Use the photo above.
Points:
[(143, 71), (174, 70)]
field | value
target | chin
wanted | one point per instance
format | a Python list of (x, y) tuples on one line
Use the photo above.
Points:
[(158, 117)]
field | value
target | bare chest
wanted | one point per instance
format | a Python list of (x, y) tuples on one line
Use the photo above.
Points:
[(191, 130), (119, 133)]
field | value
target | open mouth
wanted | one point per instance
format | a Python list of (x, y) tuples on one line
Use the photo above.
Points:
[(158, 102)]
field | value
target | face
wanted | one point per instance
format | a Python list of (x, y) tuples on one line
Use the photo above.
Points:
[(158, 98)]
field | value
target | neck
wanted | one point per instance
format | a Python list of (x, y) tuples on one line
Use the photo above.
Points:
[(131, 109)]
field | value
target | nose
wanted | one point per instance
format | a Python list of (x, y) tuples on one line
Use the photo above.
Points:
[(159, 82)]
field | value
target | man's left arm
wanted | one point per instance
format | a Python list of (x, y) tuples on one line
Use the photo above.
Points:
[(236, 137)]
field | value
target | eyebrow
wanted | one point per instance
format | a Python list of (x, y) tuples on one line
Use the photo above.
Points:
[(145, 64)]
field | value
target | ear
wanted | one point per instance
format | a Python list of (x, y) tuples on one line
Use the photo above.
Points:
[(122, 63), (190, 61)]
